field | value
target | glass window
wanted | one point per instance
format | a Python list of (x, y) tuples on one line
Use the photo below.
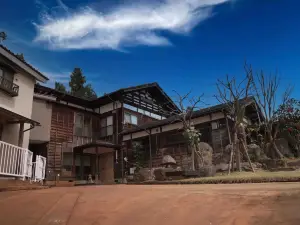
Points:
[(106, 126), (127, 118), (109, 121), (131, 119), (134, 120)]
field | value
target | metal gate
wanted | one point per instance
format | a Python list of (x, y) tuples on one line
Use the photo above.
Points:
[(39, 167)]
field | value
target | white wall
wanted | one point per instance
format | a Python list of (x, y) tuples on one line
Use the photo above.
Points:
[(41, 112), (21, 104), (109, 107), (174, 126)]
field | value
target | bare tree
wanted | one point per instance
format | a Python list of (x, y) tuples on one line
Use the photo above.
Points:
[(188, 105), (236, 96), (266, 92)]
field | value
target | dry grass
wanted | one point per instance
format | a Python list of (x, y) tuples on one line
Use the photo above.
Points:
[(239, 177)]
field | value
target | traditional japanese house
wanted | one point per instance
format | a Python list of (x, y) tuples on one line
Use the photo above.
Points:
[(81, 137), (165, 137)]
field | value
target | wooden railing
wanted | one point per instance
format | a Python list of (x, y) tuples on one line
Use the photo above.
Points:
[(9, 87)]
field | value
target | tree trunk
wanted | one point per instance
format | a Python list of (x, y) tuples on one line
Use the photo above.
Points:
[(237, 153), (193, 156), (246, 152), (230, 160), (277, 151)]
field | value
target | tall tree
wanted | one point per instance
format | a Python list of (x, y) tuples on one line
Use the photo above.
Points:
[(77, 81), (235, 95), (266, 91), (3, 36), (78, 87), (60, 87)]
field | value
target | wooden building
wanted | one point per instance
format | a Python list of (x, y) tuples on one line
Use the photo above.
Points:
[(165, 137), (81, 137)]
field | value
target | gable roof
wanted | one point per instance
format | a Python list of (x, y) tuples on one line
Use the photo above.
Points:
[(153, 88), (22, 64)]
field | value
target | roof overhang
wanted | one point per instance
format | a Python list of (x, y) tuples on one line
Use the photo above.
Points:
[(96, 147), (12, 117), (23, 65)]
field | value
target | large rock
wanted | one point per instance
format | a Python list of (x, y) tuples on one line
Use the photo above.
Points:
[(254, 152), (284, 147), (222, 157), (222, 167), (168, 160), (207, 153)]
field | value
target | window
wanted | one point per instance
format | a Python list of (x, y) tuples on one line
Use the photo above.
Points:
[(83, 125), (131, 119), (9, 76), (106, 126)]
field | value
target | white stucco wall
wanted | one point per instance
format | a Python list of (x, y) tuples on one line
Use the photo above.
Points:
[(41, 112), (174, 126), (21, 104)]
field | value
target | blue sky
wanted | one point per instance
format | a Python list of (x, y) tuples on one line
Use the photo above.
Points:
[(183, 45)]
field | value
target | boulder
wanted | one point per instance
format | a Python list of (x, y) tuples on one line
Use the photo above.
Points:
[(254, 152), (222, 167), (207, 152), (284, 147), (168, 160), (207, 171)]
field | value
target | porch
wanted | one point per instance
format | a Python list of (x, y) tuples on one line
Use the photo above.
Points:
[(91, 163), (13, 126)]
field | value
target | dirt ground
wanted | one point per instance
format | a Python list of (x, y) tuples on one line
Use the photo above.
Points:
[(241, 204)]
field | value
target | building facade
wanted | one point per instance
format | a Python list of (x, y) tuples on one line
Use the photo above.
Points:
[(17, 80), (81, 137)]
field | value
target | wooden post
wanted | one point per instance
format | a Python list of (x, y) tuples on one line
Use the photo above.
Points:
[(122, 163), (97, 166), (21, 135), (150, 151), (73, 165)]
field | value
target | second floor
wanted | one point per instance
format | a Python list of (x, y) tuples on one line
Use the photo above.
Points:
[(64, 117), (17, 81)]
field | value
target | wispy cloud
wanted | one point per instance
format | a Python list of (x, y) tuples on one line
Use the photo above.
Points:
[(122, 26), (63, 78)]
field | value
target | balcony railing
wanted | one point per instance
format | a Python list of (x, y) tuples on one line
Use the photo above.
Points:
[(9, 87)]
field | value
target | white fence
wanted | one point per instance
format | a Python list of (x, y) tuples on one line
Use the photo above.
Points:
[(17, 162), (39, 168)]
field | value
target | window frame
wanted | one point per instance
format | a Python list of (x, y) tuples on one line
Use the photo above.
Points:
[(130, 115), (82, 125), (105, 128)]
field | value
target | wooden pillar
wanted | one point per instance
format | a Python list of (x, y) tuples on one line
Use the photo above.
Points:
[(97, 166), (150, 151), (73, 165), (122, 163), (81, 167), (21, 135)]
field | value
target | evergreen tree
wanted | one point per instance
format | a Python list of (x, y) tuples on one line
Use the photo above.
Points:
[(60, 87), (78, 87), (3, 36), (77, 81)]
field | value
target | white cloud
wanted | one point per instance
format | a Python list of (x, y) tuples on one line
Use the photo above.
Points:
[(122, 26), (63, 78)]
